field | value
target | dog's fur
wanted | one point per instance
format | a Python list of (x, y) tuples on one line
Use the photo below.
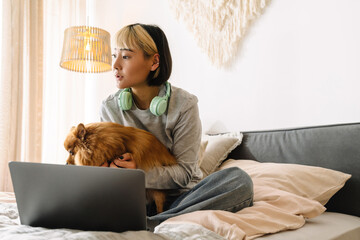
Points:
[(96, 143)]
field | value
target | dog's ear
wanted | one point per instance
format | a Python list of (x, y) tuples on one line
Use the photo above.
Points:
[(81, 131)]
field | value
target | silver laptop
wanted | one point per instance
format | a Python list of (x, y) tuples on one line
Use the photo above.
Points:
[(79, 197)]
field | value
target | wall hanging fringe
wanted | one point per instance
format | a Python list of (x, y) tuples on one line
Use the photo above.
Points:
[(218, 25)]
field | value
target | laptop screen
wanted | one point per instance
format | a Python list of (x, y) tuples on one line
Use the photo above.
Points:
[(79, 197)]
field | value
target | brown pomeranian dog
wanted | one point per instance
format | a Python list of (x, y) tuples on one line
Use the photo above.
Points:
[(97, 143)]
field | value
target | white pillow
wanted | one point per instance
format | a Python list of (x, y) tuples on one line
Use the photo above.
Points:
[(203, 146), (215, 149)]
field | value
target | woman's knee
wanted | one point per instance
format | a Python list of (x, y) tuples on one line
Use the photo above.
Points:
[(237, 176), (236, 189), (233, 180), (242, 189)]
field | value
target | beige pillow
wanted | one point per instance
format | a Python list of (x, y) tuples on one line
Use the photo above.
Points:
[(273, 210), (215, 150), (284, 196), (315, 183)]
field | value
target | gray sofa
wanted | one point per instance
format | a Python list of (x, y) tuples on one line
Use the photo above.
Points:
[(333, 146)]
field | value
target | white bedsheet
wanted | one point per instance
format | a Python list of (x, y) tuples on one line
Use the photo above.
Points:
[(10, 228)]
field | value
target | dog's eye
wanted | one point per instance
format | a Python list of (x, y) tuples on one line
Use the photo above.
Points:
[(71, 152)]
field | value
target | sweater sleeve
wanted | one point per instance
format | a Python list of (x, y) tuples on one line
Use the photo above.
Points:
[(186, 135)]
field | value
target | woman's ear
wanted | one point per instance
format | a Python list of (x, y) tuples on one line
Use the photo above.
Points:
[(156, 62)]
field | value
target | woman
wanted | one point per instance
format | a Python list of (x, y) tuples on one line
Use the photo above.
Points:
[(142, 66)]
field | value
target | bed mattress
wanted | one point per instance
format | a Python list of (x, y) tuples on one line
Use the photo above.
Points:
[(329, 225)]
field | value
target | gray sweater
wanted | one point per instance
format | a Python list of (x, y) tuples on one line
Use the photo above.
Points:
[(179, 129)]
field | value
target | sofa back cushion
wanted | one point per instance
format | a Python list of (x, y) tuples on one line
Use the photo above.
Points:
[(333, 146)]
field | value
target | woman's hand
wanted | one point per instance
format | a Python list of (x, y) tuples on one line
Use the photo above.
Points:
[(105, 164), (124, 161)]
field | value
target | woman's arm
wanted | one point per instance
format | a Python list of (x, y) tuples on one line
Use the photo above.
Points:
[(186, 144)]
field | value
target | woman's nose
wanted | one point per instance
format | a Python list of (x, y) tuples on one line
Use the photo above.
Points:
[(117, 64)]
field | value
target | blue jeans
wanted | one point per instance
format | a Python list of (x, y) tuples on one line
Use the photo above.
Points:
[(229, 189)]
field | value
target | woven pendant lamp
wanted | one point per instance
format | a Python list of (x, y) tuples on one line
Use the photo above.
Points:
[(86, 49)]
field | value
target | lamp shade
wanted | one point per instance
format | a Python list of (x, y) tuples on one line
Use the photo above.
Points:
[(86, 49)]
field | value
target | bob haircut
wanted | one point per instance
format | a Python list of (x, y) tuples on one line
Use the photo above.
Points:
[(151, 40)]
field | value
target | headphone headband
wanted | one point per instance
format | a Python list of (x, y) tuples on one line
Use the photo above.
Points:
[(168, 89)]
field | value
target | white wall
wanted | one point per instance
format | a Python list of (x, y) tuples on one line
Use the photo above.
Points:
[(297, 66)]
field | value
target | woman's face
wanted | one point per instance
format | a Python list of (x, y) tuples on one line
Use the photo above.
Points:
[(130, 67)]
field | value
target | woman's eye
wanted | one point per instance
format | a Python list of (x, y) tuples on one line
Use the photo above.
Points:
[(125, 57), (114, 55)]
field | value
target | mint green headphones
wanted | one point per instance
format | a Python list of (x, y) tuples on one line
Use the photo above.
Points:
[(158, 104)]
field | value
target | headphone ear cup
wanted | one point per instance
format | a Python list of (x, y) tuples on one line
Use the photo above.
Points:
[(158, 105), (125, 100)]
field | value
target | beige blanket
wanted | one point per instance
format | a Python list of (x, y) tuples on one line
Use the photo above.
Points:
[(273, 211)]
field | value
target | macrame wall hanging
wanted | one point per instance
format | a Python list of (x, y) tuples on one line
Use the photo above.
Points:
[(218, 25)]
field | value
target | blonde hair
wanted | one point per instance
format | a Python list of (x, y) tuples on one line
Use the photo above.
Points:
[(151, 40), (136, 37)]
